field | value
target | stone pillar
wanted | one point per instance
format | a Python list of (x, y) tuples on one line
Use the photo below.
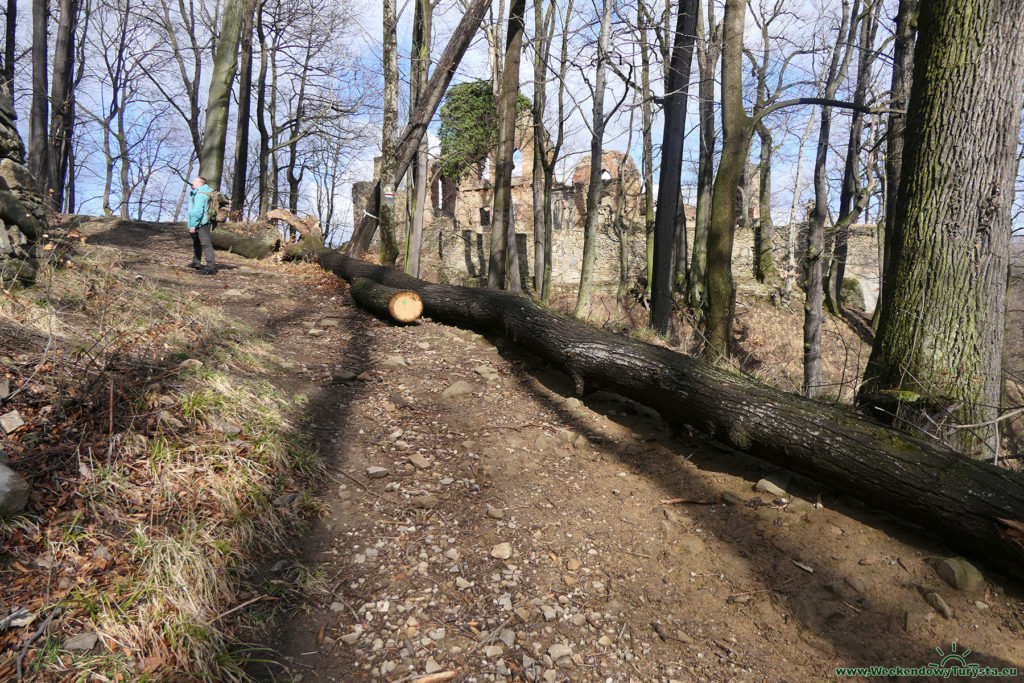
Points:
[(22, 220)]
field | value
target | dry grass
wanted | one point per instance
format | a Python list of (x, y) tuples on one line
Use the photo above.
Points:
[(145, 519)]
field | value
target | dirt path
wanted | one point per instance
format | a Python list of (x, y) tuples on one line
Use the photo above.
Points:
[(511, 533)]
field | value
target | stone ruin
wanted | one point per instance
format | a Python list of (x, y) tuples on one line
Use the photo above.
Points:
[(22, 220)]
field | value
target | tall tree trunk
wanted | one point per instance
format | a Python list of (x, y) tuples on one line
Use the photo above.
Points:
[(419, 67), (849, 203), (295, 134), (902, 70), (10, 45), (647, 155), (389, 131), (124, 164), (940, 338), (736, 130), (39, 116), (543, 30), (764, 232), (240, 176), (680, 249), (696, 289), (61, 103), (263, 160), (791, 258), (551, 157), (225, 63), (764, 228), (503, 245), (596, 163), (677, 85), (619, 227), (815, 293)]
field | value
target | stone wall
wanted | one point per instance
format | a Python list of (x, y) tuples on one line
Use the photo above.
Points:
[(861, 261), (21, 216)]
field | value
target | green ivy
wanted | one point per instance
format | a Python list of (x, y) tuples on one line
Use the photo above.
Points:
[(469, 126)]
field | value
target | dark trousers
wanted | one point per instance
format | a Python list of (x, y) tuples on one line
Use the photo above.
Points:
[(202, 245)]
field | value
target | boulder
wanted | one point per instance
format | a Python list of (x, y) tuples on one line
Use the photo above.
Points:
[(13, 491)]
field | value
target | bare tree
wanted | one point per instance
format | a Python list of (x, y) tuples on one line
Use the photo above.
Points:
[(503, 268), (852, 197), (239, 176), (598, 123), (543, 33), (62, 103), (668, 209), (225, 65), (709, 50), (899, 93), (838, 64), (38, 147), (419, 71), (10, 44)]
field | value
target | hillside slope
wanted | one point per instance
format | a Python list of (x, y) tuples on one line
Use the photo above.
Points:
[(471, 517)]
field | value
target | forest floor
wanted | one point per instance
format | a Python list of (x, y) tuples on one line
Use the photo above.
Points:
[(469, 516)]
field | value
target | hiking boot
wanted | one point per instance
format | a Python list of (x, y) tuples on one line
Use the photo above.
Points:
[(195, 264), (208, 270)]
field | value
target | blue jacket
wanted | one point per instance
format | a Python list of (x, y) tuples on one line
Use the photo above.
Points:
[(198, 199)]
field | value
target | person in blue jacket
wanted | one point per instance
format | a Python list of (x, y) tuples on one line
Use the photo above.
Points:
[(199, 227)]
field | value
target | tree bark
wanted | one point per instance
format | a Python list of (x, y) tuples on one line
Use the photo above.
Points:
[(240, 176), (677, 85), (791, 260), (596, 184), (389, 131), (424, 111), (10, 45), (225, 63), (551, 155), (902, 70), (940, 338), (736, 131), (815, 293), (916, 480), (308, 227), (62, 104), (543, 32), (764, 232), (764, 228), (696, 290), (647, 154), (400, 305), (39, 114), (503, 265), (849, 206), (419, 69), (244, 245), (263, 155)]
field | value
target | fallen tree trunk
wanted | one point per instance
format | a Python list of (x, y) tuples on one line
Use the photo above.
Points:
[(975, 506), (308, 227), (403, 306), (249, 247), (304, 249)]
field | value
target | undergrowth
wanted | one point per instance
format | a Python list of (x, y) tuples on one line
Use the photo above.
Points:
[(162, 463)]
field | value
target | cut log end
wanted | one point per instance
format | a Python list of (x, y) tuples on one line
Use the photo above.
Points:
[(405, 306), (402, 305)]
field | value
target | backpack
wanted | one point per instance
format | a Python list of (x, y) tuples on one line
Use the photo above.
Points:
[(216, 208)]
